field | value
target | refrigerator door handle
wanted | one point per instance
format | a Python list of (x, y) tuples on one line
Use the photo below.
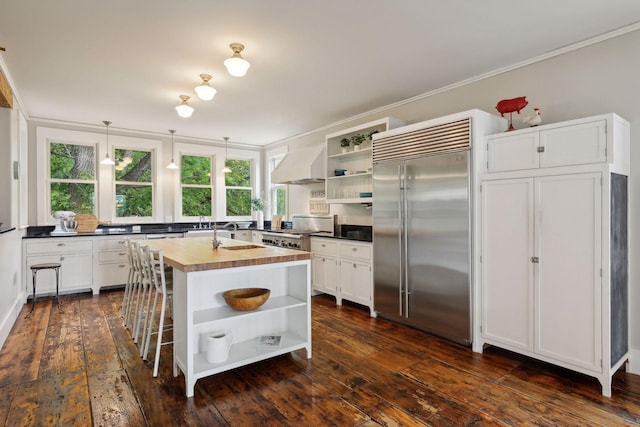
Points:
[(405, 240), (400, 228)]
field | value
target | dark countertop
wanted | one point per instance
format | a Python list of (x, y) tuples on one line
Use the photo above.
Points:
[(6, 229)]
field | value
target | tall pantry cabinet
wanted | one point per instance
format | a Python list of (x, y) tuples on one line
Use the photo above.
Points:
[(554, 254)]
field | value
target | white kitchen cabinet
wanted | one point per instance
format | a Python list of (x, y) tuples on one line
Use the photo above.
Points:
[(343, 268), (112, 264), (75, 255), (324, 265), (554, 254), (347, 188), (549, 146), (244, 235), (356, 276)]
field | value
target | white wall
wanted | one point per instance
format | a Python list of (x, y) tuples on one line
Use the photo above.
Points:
[(596, 79)]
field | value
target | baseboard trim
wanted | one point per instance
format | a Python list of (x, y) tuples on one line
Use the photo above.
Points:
[(634, 362), (10, 319)]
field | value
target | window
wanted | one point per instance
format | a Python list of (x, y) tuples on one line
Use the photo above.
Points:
[(72, 177), (238, 188), (134, 183), (278, 191), (196, 185)]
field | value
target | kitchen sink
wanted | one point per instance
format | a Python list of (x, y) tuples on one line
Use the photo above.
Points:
[(240, 247)]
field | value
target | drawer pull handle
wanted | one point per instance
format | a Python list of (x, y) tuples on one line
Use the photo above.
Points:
[(61, 258), (122, 265), (62, 244), (354, 266), (122, 253), (354, 249), (121, 242), (323, 245)]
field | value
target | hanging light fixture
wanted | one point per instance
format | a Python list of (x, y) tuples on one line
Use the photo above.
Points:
[(237, 66), (107, 160), (184, 110), (226, 169), (172, 165), (205, 91)]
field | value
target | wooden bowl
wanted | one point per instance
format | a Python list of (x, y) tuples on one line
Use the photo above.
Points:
[(246, 299)]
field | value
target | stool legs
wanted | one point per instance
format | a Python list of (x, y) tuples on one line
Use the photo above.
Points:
[(34, 273), (33, 299)]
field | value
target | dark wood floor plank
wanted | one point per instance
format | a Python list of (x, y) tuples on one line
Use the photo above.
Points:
[(7, 393), (22, 350), (100, 349), (113, 401), (63, 352), (58, 400)]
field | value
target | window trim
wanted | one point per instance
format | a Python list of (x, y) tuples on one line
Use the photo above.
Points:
[(251, 188), (105, 175), (270, 155)]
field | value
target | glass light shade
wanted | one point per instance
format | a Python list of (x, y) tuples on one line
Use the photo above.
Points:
[(127, 160), (172, 165), (226, 169), (107, 161), (236, 65), (184, 110), (205, 92)]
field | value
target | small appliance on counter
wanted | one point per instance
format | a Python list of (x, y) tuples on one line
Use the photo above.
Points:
[(66, 223)]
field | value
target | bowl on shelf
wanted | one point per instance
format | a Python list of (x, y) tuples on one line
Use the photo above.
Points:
[(366, 194), (339, 172), (246, 299)]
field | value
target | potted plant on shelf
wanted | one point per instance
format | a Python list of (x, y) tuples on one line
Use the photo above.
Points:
[(357, 140), (370, 134), (344, 145), (257, 205)]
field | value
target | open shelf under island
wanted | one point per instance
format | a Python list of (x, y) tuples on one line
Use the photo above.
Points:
[(201, 275)]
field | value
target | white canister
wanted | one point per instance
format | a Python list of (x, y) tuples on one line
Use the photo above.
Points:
[(218, 345)]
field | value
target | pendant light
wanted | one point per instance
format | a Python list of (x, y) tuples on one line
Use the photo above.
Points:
[(237, 66), (226, 169), (107, 160), (184, 110), (172, 165), (205, 91)]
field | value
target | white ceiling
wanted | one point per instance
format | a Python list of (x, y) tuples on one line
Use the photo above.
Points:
[(312, 62)]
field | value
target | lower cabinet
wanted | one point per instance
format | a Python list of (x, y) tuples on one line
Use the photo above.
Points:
[(112, 266), (343, 269), (244, 235), (256, 236), (75, 255)]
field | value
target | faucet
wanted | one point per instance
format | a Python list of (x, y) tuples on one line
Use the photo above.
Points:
[(235, 226), (215, 242), (200, 220)]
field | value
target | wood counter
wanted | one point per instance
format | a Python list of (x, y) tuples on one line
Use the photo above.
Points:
[(197, 254)]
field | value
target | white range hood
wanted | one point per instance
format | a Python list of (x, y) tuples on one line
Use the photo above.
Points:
[(301, 166)]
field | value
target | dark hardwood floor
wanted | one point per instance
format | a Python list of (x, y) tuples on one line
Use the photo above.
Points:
[(80, 367)]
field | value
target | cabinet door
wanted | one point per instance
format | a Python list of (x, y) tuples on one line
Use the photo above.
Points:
[(256, 237), (574, 145), (355, 281), (568, 241), (507, 271), (76, 272), (324, 272), (510, 153)]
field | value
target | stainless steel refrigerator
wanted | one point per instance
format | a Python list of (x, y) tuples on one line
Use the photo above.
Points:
[(422, 242)]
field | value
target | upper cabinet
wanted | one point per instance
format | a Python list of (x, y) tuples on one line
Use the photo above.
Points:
[(578, 142), (349, 153)]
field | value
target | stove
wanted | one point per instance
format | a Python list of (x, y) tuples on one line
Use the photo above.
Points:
[(299, 236)]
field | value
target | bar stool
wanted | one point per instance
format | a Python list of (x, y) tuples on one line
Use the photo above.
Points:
[(45, 266)]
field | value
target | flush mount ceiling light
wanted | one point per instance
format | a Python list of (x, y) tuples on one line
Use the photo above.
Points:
[(205, 91), (172, 165), (184, 110), (226, 169), (107, 160), (236, 65)]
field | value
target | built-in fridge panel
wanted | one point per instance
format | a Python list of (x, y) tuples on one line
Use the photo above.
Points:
[(438, 244)]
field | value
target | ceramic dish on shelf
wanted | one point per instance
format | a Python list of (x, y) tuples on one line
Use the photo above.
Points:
[(366, 194), (339, 172)]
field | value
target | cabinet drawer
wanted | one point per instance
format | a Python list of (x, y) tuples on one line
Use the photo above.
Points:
[(113, 256), (324, 246), (119, 243), (112, 274), (59, 246), (355, 251)]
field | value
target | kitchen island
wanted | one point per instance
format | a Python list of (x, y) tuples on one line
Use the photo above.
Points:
[(201, 275)]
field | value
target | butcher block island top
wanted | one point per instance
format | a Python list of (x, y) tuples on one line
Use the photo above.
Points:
[(197, 254)]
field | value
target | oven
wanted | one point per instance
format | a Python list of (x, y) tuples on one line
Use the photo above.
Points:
[(299, 236)]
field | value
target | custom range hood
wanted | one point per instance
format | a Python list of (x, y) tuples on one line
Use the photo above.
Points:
[(301, 166)]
